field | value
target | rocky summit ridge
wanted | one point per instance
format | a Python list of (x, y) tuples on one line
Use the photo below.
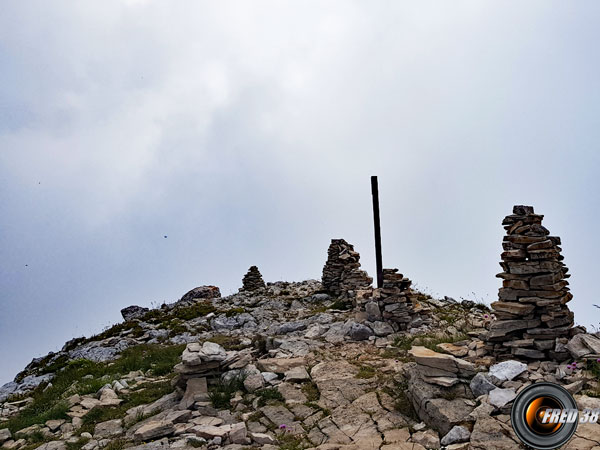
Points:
[(331, 364)]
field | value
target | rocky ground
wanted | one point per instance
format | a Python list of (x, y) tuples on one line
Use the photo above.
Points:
[(284, 367)]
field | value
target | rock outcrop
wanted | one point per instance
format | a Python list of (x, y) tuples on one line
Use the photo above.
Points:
[(533, 320)]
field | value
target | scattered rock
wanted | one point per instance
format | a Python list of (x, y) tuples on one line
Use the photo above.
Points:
[(457, 434), (507, 370)]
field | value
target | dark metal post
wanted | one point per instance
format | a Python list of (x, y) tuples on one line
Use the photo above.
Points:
[(378, 259)]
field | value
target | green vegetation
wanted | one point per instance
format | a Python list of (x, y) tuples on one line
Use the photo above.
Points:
[(593, 366), (233, 311), (144, 394), (288, 441), (313, 405), (342, 305), (84, 377), (77, 445), (311, 391), (221, 394), (366, 372), (259, 342), (401, 401), (269, 395), (117, 444)]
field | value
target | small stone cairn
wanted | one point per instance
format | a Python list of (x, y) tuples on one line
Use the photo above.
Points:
[(253, 280), (203, 360), (342, 274), (396, 299), (533, 320)]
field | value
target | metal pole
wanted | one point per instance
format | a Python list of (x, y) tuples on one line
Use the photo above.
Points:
[(378, 258)]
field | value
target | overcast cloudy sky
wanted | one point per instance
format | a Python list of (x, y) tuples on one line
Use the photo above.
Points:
[(247, 131)]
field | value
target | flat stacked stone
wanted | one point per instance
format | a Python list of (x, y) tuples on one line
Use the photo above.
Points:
[(342, 273), (253, 280), (396, 298), (533, 320), (203, 360)]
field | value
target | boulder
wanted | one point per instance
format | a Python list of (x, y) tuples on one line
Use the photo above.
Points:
[(200, 293), (133, 312), (359, 332)]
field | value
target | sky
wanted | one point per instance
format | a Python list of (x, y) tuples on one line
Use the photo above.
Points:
[(247, 132)]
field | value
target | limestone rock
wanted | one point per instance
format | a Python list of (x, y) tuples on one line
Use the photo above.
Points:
[(507, 370), (457, 434), (297, 375), (481, 385), (434, 364), (500, 397), (133, 312), (5, 435), (200, 293), (108, 429), (153, 430)]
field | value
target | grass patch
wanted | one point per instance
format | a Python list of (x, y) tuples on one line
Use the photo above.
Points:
[(77, 445), (288, 441), (482, 306), (365, 372), (318, 309), (221, 394), (259, 342), (117, 444), (233, 311), (49, 403), (342, 305), (311, 391), (269, 395), (402, 403), (146, 393), (313, 405)]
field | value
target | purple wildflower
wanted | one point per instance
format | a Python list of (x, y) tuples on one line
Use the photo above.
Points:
[(283, 426)]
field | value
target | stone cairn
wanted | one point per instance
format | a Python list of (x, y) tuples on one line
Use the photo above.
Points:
[(396, 302), (253, 280), (203, 360), (533, 320), (342, 273), (396, 299)]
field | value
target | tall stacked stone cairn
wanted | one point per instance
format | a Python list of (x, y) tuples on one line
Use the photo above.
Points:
[(253, 280), (342, 273), (533, 320)]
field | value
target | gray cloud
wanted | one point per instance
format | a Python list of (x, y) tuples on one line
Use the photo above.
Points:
[(247, 132)]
